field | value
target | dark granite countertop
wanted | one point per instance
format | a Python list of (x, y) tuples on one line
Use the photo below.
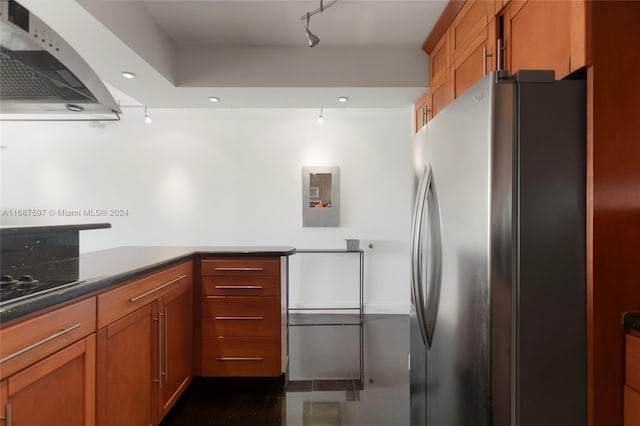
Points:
[(52, 228), (102, 269), (632, 321)]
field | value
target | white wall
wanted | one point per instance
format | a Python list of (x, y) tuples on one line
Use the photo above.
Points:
[(228, 177)]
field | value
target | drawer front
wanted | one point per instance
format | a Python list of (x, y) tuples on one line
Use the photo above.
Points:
[(241, 356), (258, 285), (241, 266), (633, 362), (30, 341), (631, 407), (240, 316), (123, 300)]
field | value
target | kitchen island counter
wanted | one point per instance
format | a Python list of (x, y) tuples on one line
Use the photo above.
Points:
[(102, 269)]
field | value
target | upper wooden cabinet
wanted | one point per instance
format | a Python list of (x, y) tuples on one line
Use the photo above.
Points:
[(535, 34), (473, 44), (422, 111), (439, 72), (545, 35)]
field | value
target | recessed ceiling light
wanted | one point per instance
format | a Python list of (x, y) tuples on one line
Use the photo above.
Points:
[(213, 99), (343, 99), (127, 74)]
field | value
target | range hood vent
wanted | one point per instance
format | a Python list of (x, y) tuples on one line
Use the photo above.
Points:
[(42, 77)]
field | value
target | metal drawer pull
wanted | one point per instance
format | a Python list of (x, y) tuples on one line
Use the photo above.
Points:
[(135, 299), (40, 343), (166, 344), (239, 269), (7, 419), (239, 318), (259, 358), (242, 287)]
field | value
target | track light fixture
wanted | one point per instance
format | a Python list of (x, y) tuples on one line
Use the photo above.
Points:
[(147, 119), (320, 117), (311, 37)]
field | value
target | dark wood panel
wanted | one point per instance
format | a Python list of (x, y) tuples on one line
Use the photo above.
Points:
[(614, 179)]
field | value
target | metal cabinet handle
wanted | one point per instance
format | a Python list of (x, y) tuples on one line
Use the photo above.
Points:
[(7, 418), (159, 319), (166, 344), (40, 343), (239, 269), (259, 358), (239, 318), (485, 55), (240, 287), (135, 299)]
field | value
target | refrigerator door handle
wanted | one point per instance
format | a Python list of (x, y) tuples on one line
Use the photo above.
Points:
[(431, 217), (417, 298)]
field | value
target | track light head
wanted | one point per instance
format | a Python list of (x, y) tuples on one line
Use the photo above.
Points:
[(311, 37)]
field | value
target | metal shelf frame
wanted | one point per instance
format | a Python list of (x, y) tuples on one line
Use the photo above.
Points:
[(359, 308)]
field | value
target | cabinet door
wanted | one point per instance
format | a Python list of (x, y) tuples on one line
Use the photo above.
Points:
[(422, 111), (441, 94), (546, 35), (128, 369), (176, 313), (59, 390), (475, 62)]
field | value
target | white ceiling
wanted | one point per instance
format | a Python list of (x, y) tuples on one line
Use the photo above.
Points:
[(251, 53)]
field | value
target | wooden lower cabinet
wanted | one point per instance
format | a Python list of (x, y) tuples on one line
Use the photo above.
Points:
[(128, 374), (177, 343), (145, 358), (242, 329), (58, 390)]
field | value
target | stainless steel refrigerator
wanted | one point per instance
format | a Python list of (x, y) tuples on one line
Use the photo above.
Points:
[(498, 316)]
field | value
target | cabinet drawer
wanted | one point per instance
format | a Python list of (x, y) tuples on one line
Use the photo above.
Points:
[(123, 300), (223, 285), (30, 341), (241, 266), (631, 407), (241, 356), (240, 316), (633, 362)]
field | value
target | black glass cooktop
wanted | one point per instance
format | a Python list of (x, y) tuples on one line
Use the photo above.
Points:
[(24, 287)]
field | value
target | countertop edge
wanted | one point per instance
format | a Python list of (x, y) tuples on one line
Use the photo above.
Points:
[(93, 287), (52, 228)]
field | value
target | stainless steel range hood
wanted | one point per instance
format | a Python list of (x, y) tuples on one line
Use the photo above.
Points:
[(42, 77)]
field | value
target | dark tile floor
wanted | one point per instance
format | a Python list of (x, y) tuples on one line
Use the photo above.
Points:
[(339, 375)]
